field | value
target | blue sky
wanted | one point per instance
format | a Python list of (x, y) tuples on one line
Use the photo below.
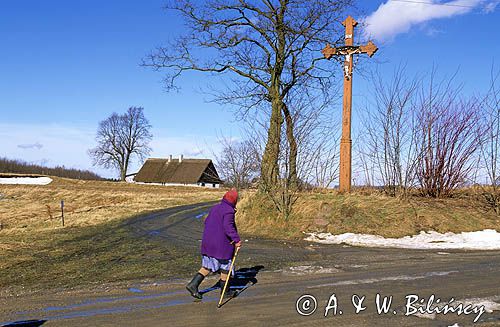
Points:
[(66, 65)]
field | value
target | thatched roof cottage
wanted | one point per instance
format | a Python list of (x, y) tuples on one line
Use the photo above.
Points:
[(179, 172)]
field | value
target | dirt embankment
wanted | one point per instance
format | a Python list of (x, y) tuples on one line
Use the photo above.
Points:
[(367, 212)]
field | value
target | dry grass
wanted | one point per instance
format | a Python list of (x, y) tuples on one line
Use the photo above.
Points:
[(366, 211), (87, 203), (94, 247)]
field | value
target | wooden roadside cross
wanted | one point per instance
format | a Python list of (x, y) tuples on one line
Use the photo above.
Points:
[(347, 51)]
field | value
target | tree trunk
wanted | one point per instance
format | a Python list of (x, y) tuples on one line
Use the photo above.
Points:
[(123, 167), (292, 143), (269, 167), (123, 174)]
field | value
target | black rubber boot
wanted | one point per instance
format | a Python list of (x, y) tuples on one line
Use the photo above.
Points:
[(229, 291), (192, 286)]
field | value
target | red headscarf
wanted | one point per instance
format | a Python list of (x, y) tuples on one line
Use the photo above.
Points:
[(231, 196)]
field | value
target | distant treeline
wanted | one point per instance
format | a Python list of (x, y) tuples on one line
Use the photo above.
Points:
[(22, 167)]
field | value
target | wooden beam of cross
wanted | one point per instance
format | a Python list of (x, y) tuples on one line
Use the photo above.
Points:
[(348, 51)]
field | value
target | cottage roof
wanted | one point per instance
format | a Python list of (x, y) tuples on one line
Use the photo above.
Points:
[(187, 171)]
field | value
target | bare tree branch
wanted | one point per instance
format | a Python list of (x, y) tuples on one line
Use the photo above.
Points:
[(120, 138)]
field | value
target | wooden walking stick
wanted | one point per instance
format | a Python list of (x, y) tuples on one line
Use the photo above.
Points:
[(228, 277)]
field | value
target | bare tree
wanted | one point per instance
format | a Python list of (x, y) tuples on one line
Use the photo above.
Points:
[(120, 138), (490, 145), (447, 138), (238, 162), (269, 47), (388, 150), (317, 139), (420, 132), (318, 136)]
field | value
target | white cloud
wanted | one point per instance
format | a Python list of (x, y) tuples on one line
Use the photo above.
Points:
[(491, 6), (191, 146), (431, 31), (396, 17), (36, 145)]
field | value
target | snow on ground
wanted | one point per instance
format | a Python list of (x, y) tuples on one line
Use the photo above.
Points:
[(386, 278), (487, 239), (26, 180), (490, 303), (305, 270)]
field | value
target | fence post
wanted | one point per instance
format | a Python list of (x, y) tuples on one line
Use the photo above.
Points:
[(62, 212)]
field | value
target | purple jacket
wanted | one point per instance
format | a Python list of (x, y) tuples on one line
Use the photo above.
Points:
[(220, 230)]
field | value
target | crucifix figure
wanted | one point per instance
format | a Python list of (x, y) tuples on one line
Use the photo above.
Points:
[(347, 51)]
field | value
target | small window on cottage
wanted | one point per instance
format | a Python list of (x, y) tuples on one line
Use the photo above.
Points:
[(213, 185), (202, 184)]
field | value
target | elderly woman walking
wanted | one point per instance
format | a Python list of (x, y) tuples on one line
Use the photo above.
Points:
[(220, 238)]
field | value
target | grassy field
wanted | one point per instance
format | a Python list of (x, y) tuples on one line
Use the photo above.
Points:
[(366, 211), (87, 203), (93, 247)]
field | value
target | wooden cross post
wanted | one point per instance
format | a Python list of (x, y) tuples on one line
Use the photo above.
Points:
[(347, 51)]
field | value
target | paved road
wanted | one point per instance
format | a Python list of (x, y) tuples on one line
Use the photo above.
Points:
[(276, 275)]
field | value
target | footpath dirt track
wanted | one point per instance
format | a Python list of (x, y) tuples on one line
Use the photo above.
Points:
[(277, 273)]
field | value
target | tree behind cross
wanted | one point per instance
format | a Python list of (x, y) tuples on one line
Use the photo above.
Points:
[(269, 51), (120, 138)]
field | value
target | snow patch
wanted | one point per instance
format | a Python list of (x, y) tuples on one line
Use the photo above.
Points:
[(25, 180), (488, 239), (358, 266), (305, 270), (388, 278), (430, 316), (489, 303)]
